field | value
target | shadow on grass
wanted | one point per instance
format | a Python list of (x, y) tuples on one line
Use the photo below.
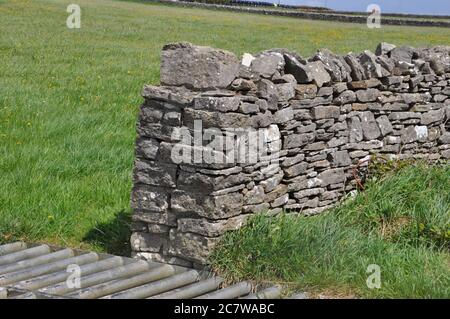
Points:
[(112, 237)]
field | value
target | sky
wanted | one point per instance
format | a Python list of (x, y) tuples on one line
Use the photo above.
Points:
[(439, 7)]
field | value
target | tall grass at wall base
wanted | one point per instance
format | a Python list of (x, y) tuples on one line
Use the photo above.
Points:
[(401, 222)]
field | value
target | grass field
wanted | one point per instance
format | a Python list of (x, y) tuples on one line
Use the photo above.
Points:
[(401, 223), (69, 99)]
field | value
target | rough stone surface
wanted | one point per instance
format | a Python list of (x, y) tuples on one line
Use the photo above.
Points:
[(335, 65), (325, 112), (205, 227), (356, 133), (345, 97), (370, 65), (369, 95), (340, 158), (384, 125), (432, 117), (402, 54), (369, 126), (311, 72), (357, 71), (222, 104), (197, 67), (267, 63), (306, 91)]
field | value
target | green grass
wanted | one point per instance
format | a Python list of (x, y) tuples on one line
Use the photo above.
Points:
[(401, 223), (69, 100)]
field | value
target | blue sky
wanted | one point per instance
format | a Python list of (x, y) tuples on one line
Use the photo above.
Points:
[(397, 6)]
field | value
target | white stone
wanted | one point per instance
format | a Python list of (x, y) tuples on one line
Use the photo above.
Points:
[(421, 131), (247, 59), (272, 133)]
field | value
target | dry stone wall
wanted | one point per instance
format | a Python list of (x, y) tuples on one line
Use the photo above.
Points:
[(221, 139), (340, 16)]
